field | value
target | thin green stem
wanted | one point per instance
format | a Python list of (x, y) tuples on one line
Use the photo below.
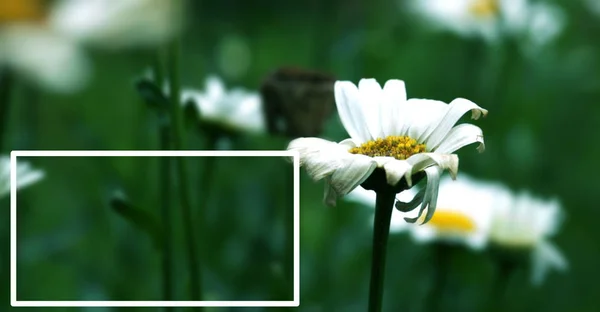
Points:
[(504, 271), (165, 212), (6, 82), (164, 134), (439, 271), (206, 177), (381, 230), (177, 131), (288, 208)]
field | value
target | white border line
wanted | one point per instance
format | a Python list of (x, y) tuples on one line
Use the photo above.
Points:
[(13, 229)]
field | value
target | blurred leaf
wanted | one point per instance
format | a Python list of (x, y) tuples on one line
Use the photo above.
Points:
[(139, 218), (152, 94)]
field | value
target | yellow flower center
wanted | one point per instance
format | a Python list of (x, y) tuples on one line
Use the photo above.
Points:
[(21, 10), (484, 8), (452, 221), (399, 147)]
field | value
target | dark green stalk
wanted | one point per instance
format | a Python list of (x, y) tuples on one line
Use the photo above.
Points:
[(164, 185), (206, 177), (504, 271), (6, 82), (439, 271), (381, 230), (177, 132), (288, 215)]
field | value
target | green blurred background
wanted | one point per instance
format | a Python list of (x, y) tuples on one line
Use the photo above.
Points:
[(540, 135)]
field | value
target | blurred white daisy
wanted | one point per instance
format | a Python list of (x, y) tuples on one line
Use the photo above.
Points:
[(34, 50), (477, 214), (402, 136), (526, 222), (236, 109), (26, 175), (118, 24), (463, 214), (536, 22)]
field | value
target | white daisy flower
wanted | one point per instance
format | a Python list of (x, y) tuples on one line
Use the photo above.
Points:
[(525, 222), (400, 136), (236, 109), (36, 51), (118, 24), (26, 175), (491, 19)]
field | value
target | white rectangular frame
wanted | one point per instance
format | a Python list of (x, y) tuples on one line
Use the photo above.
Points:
[(13, 229)]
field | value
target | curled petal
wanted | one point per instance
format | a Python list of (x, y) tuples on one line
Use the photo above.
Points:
[(409, 206), (430, 198), (460, 136), (456, 109), (423, 160)]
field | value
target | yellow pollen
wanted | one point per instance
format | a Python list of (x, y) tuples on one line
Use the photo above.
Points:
[(452, 221), (399, 147), (21, 10), (484, 8)]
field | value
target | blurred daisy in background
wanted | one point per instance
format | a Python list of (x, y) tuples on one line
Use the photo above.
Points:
[(118, 24), (481, 214), (534, 22), (34, 50), (236, 109), (524, 222), (463, 214), (60, 28), (388, 131), (26, 175)]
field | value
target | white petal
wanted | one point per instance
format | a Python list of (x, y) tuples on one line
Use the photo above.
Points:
[(395, 170), (430, 198), (330, 196), (371, 96), (353, 170), (423, 160), (456, 109), (459, 136), (320, 157), (44, 57), (421, 117), (347, 100), (544, 257), (394, 96), (120, 24)]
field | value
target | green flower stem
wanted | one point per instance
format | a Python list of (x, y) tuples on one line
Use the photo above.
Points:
[(6, 82), (165, 212), (384, 205), (441, 256), (177, 130), (504, 271), (288, 208), (206, 176), (164, 185)]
